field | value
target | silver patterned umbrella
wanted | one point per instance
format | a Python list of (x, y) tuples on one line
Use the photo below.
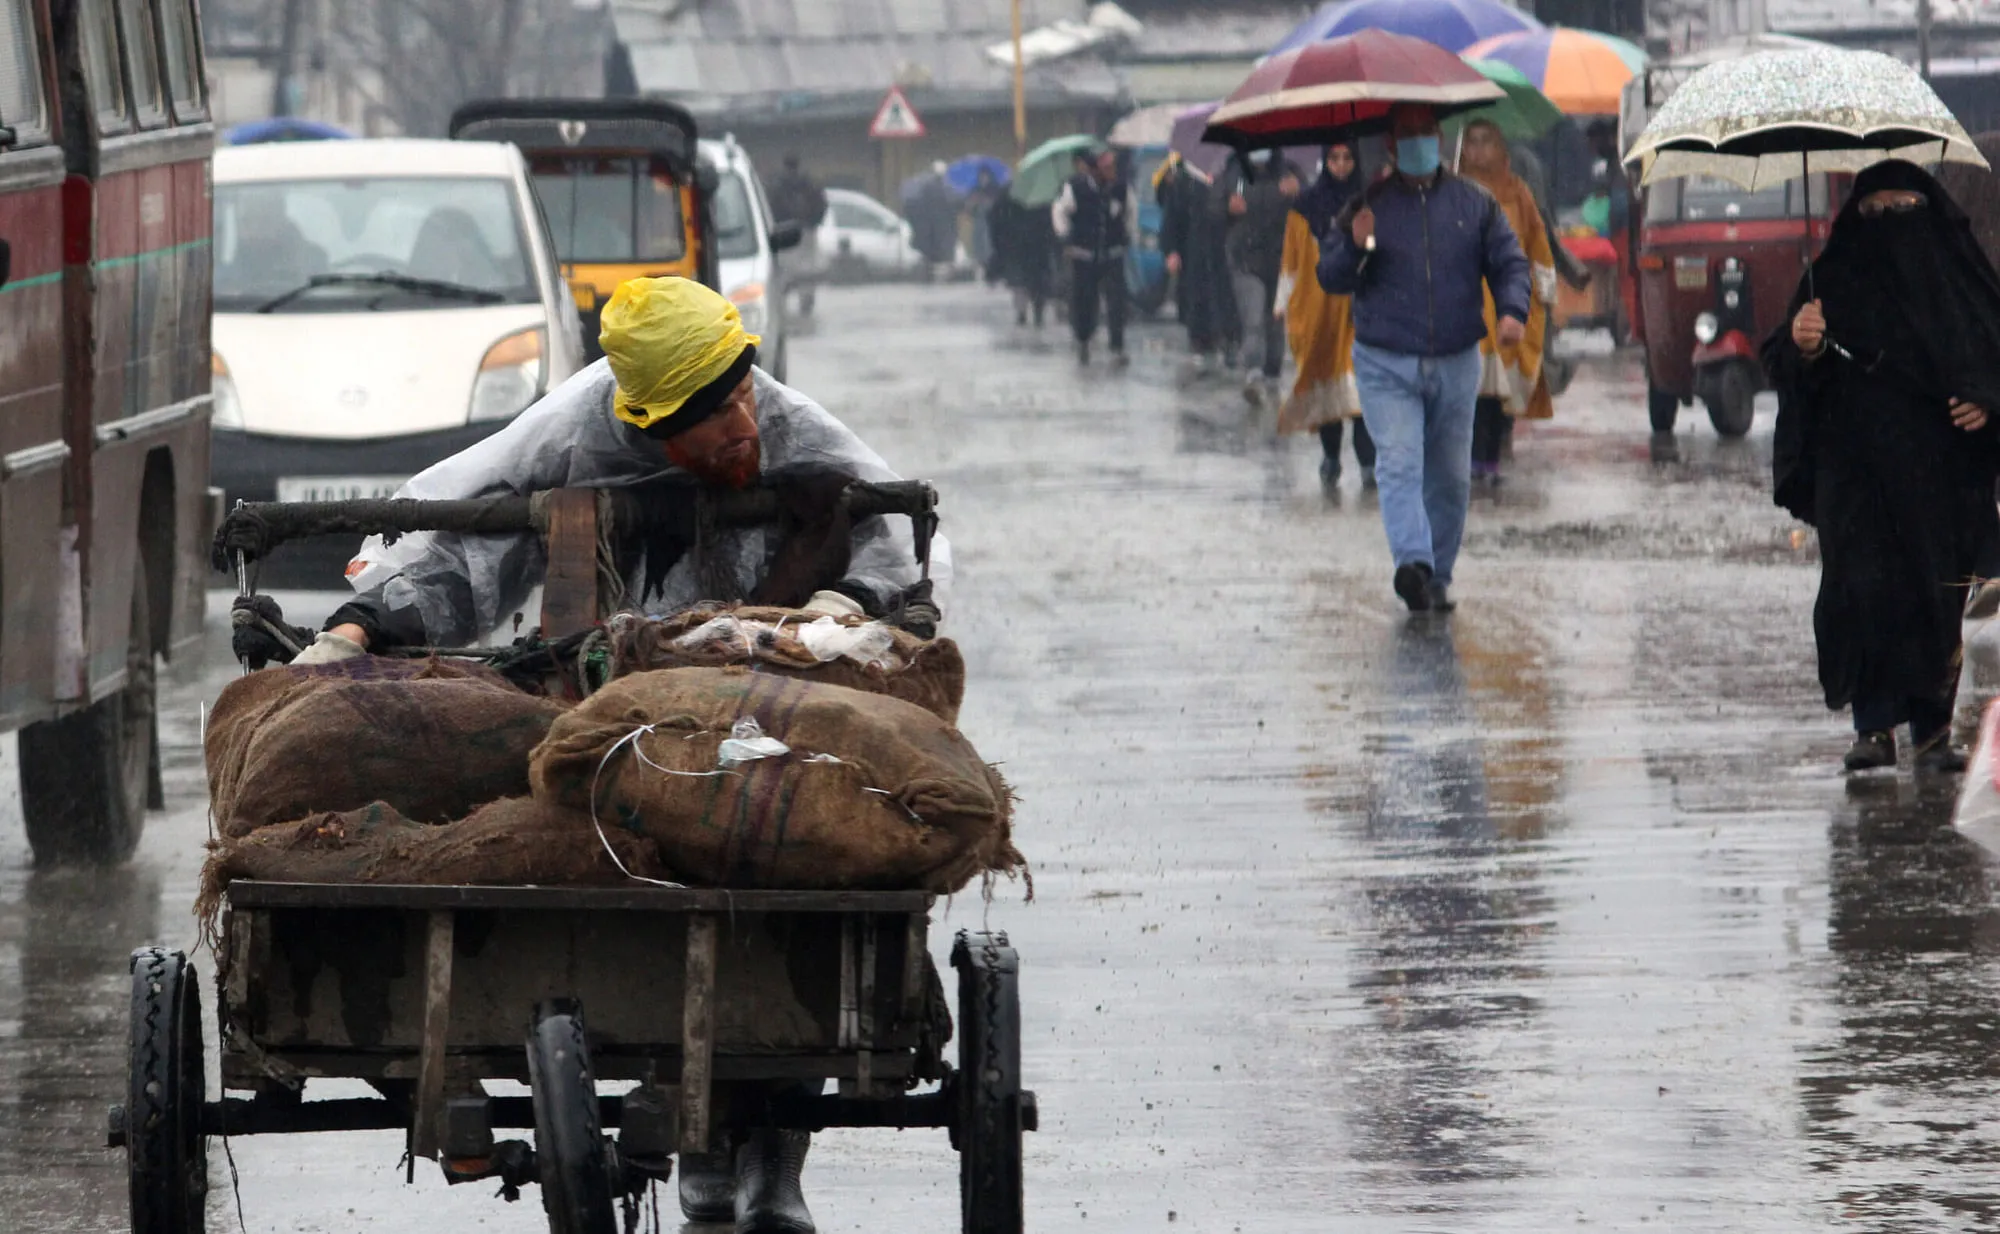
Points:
[(1778, 115)]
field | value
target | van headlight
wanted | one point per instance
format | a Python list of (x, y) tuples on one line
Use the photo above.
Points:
[(1705, 328), (511, 376), (226, 411), (750, 302)]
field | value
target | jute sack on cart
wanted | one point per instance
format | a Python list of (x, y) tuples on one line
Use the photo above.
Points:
[(431, 739), (514, 842), (753, 780), (851, 652)]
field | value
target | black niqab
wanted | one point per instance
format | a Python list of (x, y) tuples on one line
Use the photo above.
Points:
[(1323, 199), (1912, 292)]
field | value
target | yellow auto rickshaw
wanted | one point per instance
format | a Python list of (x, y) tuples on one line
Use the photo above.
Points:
[(619, 182)]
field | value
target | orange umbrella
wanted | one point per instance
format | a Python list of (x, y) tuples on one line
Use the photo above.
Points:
[(1581, 71)]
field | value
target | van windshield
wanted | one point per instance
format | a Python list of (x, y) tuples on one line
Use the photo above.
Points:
[(276, 237), (610, 209)]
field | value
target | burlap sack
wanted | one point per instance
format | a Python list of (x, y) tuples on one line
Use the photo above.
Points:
[(432, 740), (927, 672), (903, 801), (513, 842)]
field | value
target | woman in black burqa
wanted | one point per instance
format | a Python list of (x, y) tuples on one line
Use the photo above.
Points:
[(1885, 372)]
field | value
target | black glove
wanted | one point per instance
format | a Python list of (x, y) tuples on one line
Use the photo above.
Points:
[(916, 611), (258, 633)]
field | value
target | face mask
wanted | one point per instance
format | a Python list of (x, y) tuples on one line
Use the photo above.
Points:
[(1417, 156)]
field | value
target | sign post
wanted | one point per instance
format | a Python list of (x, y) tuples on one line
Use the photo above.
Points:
[(895, 117)]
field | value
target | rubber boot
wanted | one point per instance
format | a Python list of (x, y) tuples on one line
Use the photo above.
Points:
[(708, 1188), (768, 1199)]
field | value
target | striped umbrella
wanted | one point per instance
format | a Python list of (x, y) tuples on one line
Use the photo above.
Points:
[(1581, 71)]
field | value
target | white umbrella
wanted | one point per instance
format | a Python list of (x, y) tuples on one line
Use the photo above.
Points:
[(1149, 126), (1778, 115)]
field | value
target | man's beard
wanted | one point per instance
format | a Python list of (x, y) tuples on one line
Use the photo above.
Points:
[(740, 472)]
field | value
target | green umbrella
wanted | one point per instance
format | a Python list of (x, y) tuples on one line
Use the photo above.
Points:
[(1038, 178), (1525, 114)]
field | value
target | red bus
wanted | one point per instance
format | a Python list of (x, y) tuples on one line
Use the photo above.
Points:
[(104, 399)]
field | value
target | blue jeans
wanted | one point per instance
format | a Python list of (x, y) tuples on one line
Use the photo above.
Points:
[(1419, 411)]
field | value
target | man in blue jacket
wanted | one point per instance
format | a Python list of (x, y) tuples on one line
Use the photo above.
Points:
[(1412, 251)]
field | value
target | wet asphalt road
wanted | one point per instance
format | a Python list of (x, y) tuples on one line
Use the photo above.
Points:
[(1556, 913)]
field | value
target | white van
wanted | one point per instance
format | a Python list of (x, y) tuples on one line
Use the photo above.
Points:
[(747, 244), (379, 305)]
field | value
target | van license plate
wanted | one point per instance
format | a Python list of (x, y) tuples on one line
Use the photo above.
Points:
[(337, 488)]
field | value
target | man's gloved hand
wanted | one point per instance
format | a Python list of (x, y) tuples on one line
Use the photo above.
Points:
[(917, 612), (329, 648), (259, 634)]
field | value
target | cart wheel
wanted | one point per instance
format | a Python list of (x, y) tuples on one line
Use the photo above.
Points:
[(166, 1153), (990, 1101), (570, 1149)]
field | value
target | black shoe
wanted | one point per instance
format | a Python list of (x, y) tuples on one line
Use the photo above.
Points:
[(1440, 602), (1119, 359), (768, 1199), (708, 1188), (1413, 584), (1939, 757), (1367, 479), (1083, 353), (1871, 750)]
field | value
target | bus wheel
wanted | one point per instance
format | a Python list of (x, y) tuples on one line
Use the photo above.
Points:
[(1732, 399), (85, 776)]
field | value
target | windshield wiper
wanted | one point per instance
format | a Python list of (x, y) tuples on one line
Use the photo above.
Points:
[(386, 278)]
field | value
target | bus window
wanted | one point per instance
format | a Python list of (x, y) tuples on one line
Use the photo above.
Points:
[(143, 58), (23, 105), (182, 53), (100, 66)]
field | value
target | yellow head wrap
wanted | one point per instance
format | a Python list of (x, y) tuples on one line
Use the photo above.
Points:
[(667, 339)]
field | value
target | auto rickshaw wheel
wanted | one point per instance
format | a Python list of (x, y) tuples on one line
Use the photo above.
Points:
[(992, 1109), (572, 1155), (1663, 407), (166, 1153), (1732, 400)]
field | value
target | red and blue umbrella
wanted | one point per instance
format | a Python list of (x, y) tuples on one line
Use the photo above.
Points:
[(1451, 24), (1335, 89)]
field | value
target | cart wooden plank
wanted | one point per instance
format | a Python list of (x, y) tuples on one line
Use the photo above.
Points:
[(251, 893)]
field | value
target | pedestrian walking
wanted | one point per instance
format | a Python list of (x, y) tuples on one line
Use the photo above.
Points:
[(1096, 217), (933, 215), (1412, 251), (1319, 325), (1259, 190), (1193, 232), (797, 197), (986, 190), (1884, 443), (1511, 381), (1024, 255)]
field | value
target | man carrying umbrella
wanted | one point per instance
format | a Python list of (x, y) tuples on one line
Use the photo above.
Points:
[(1413, 251)]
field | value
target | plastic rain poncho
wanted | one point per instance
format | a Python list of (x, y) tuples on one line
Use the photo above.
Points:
[(463, 586)]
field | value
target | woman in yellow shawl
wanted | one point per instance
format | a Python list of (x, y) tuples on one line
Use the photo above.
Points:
[(1320, 327), (1512, 383)]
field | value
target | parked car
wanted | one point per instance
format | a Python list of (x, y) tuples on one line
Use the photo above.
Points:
[(747, 244), (862, 238), (379, 305)]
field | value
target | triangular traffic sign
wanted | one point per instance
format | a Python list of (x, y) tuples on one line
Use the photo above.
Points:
[(895, 117)]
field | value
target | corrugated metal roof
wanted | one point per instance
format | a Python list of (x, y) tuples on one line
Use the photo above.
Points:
[(793, 54)]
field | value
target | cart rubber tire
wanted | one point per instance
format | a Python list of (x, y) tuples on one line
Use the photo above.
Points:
[(990, 1101), (571, 1152), (1733, 403), (166, 1153), (86, 777), (1662, 408)]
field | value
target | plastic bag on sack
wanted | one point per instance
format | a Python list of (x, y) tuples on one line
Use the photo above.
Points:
[(746, 744), (867, 643), (1977, 815)]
